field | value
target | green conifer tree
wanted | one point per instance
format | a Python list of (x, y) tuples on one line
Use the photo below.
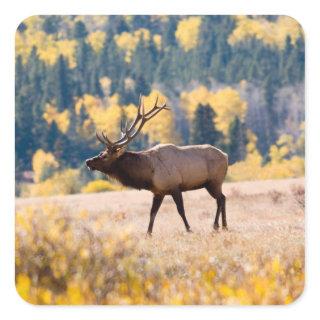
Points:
[(238, 141), (62, 88), (84, 70), (203, 129), (51, 24), (169, 37), (80, 30)]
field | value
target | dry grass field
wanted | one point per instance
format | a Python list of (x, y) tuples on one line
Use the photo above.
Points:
[(92, 249)]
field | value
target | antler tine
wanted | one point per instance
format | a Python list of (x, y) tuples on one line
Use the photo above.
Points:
[(144, 117), (123, 128), (100, 138), (141, 110), (104, 139), (166, 107), (140, 99), (128, 133), (127, 130), (109, 143), (140, 114), (155, 110)]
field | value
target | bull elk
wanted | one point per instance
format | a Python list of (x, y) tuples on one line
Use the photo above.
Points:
[(165, 169)]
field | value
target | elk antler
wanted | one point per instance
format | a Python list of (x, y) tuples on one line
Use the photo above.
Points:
[(128, 133)]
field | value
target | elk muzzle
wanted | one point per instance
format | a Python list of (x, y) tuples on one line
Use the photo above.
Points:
[(91, 163)]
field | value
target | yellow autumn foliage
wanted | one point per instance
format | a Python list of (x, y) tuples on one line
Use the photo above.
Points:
[(106, 115), (88, 259), (226, 103), (99, 186), (284, 147), (105, 84), (60, 183), (23, 284), (44, 165), (96, 40), (130, 111), (127, 41), (48, 48), (62, 119), (280, 165), (87, 101), (33, 22), (270, 32), (187, 32), (108, 119), (161, 128), (157, 39)]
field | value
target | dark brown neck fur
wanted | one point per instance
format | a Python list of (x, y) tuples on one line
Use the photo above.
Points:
[(133, 169)]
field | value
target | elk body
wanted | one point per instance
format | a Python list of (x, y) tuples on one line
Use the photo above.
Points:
[(165, 169)]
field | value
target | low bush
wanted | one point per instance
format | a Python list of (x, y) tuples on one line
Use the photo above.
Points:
[(99, 186), (60, 183)]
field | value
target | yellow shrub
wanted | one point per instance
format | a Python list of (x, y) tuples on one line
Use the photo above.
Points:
[(99, 186), (252, 169), (278, 168), (60, 183), (63, 257)]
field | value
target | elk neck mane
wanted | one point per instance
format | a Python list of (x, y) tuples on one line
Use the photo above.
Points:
[(133, 169)]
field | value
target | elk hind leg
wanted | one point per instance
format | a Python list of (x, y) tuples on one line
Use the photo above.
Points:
[(177, 197), (216, 194)]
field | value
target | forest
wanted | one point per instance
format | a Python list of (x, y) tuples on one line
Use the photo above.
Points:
[(236, 82)]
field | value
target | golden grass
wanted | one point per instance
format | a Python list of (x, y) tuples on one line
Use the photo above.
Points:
[(92, 249)]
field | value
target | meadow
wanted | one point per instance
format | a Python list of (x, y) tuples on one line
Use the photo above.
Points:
[(93, 249)]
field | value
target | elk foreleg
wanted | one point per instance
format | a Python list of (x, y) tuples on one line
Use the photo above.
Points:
[(177, 197), (156, 203)]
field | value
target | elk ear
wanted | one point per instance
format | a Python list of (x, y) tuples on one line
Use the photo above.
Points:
[(120, 152)]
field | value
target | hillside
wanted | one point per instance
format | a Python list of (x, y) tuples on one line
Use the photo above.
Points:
[(236, 82)]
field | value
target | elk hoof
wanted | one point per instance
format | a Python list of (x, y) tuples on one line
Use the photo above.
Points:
[(189, 231), (148, 235), (216, 227), (225, 228)]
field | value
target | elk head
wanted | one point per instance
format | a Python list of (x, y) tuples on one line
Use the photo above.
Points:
[(114, 150)]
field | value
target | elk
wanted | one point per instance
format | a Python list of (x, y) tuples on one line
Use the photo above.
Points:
[(165, 169)]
